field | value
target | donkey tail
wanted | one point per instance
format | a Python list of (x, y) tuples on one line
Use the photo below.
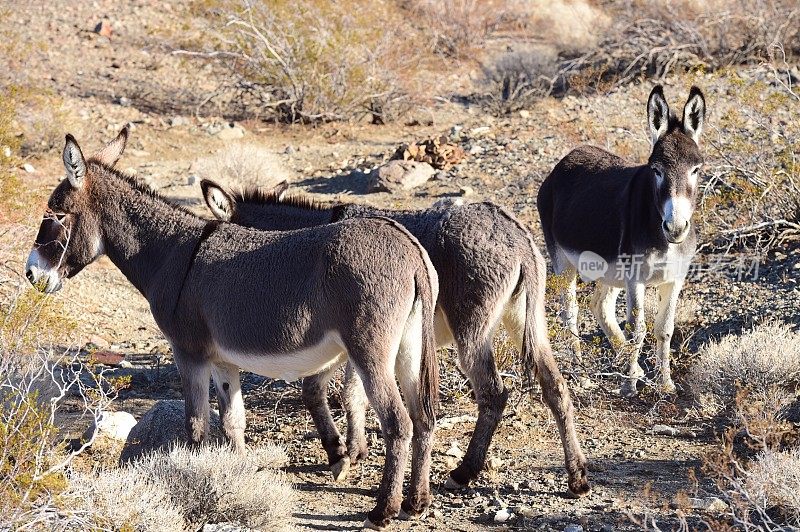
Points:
[(532, 279), (428, 388)]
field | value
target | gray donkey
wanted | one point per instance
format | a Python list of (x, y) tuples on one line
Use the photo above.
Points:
[(490, 271), (280, 304), (628, 226)]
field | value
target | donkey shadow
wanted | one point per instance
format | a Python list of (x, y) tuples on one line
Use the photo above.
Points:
[(352, 182)]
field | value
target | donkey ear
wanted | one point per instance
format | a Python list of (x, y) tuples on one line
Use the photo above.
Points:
[(218, 200), (74, 162), (694, 114), (280, 189), (113, 150), (657, 113)]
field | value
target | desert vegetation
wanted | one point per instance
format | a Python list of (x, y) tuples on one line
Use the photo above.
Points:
[(323, 92)]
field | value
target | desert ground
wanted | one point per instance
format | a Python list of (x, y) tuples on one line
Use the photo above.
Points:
[(649, 456)]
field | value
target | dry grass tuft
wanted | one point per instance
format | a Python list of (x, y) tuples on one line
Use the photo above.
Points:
[(216, 484), (772, 481), (765, 358), (243, 165), (122, 499)]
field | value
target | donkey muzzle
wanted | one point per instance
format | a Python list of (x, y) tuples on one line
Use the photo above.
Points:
[(676, 232), (43, 277)]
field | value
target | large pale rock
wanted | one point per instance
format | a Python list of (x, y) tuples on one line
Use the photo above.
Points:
[(399, 175), (112, 425), (160, 428)]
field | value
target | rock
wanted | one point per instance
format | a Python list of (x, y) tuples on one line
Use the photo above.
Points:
[(177, 121), (112, 425), (479, 131), (573, 528), (495, 463), (289, 150), (108, 358), (708, 504), (161, 427), (191, 180), (664, 430), (96, 342), (399, 175), (231, 132), (455, 451), (446, 203), (525, 113), (466, 190), (28, 167), (501, 516), (124, 102), (103, 28)]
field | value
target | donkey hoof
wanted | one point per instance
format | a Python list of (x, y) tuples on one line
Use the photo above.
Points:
[(414, 508), (340, 469), (451, 484)]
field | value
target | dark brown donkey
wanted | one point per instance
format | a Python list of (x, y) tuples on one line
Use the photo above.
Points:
[(490, 271), (280, 304), (628, 226)]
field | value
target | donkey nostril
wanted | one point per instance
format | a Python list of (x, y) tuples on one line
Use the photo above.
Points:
[(29, 275)]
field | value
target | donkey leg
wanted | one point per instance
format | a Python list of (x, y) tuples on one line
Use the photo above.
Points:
[(384, 396), (195, 378), (604, 308), (554, 388), (664, 327), (355, 406), (478, 363), (315, 398), (635, 293), (407, 369), (231, 405), (569, 310)]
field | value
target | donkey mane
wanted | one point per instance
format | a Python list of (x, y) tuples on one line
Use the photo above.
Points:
[(260, 196), (138, 185)]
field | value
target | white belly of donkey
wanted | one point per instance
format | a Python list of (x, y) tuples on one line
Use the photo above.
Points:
[(290, 366)]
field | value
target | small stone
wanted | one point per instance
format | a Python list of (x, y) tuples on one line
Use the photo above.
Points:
[(289, 150), (399, 175), (108, 358), (231, 132), (573, 528), (124, 102), (113, 425), (495, 463), (191, 180), (664, 430), (708, 504), (527, 512), (525, 113), (501, 516), (7, 151), (466, 190), (479, 131), (455, 451), (103, 28), (28, 167), (177, 121)]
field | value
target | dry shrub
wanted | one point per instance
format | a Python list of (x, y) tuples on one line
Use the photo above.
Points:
[(772, 482), (36, 383), (516, 79), (457, 27), (214, 484), (243, 165), (569, 26), (765, 358), (756, 467), (313, 60), (122, 499)]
